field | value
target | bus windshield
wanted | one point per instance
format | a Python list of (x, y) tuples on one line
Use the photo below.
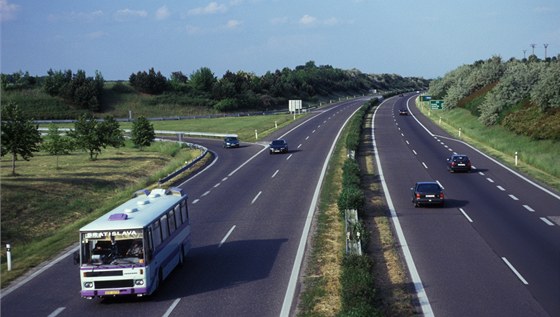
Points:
[(112, 249)]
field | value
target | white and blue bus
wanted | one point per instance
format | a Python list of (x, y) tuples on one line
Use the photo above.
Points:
[(134, 247)]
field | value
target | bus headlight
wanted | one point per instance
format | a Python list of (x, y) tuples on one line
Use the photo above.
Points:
[(138, 282), (88, 284)]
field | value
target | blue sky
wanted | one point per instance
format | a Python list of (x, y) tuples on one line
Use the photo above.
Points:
[(407, 37)]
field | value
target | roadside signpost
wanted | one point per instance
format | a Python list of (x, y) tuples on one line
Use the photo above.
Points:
[(436, 104)]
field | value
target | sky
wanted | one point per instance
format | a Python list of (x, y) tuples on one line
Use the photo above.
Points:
[(427, 38)]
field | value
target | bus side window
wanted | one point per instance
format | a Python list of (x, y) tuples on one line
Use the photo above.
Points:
[(184, 211), (156, 234), (177, 212), (171, 220), (164, 228), (150, 244)]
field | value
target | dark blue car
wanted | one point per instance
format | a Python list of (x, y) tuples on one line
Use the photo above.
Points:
[(278, 146), (231, 141), (427, 193)]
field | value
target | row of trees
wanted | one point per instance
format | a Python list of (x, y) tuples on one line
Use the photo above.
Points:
[(21, 137), (234, 91), (243, 90), (78, 89)]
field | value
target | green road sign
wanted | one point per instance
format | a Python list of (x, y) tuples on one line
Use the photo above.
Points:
[(436, 104)]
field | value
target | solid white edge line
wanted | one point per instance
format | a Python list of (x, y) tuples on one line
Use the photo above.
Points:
[(226, 236), (294, 276), (171, 308), (11, 288), (519, 276), (415, 276)]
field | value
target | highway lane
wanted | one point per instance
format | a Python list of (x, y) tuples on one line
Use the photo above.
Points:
[(485, 253), (248, 212)]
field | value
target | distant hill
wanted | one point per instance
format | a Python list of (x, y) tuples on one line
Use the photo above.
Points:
[(521, 95)]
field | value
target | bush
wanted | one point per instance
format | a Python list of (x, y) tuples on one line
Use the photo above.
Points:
[(226, 105), (350, 173), (358, 289), (351, 197)]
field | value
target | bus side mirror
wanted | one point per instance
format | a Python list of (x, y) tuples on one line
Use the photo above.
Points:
[(76, 257)]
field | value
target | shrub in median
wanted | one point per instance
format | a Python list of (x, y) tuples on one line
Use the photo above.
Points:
[(358, 287)]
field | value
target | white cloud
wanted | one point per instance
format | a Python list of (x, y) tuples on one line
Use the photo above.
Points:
[(126, 14), (211, 8), (307, 20), (8, 11), (232, 24), (162, 13)]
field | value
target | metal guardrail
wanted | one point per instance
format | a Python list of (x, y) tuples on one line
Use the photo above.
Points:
[(353, 239), (187, 164), (180, 135)]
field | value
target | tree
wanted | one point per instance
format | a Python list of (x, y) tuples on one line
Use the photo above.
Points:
[(19, 135), (142, 132), (546, 92), (110, 132), (92, 136), (150, 83), (79, 89), (202, 81), (56, 144)]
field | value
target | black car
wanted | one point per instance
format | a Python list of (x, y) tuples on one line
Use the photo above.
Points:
[(231, 141), (427, 193), (278, 146), (403, 112), (459, 163)]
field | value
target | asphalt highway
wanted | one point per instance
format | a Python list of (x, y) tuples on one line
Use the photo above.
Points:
[(494, 249), (250, 214)]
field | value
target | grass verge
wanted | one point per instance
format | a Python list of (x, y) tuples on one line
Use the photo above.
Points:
[(321, 278), (43, 206)]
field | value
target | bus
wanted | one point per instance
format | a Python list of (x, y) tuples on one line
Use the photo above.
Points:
[(134, 247)]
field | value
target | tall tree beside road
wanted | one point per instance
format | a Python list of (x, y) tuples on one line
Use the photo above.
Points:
[(19, 135), (92, 136), (142, 132)]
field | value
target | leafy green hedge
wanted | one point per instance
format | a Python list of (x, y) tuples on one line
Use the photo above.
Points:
[(358, 289), (357, 280)]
